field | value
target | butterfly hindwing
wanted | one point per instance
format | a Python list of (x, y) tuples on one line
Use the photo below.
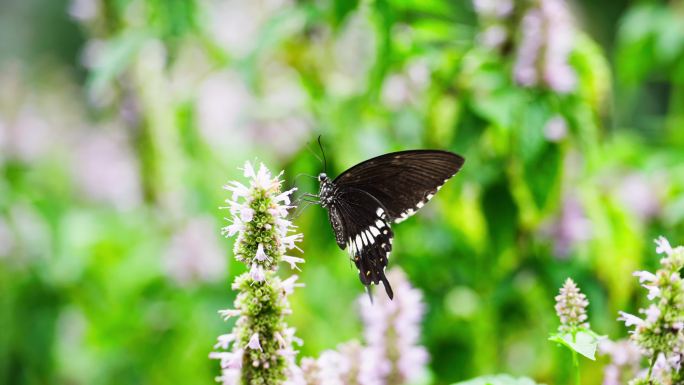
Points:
[(365, 231), (402, 181)]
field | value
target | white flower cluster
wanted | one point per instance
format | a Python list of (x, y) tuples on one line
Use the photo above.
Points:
[(262, 343), (241, 206), (660, 333)]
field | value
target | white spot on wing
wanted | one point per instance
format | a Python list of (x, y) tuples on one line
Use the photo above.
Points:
[(365, 240), (380, 224), (370, 237), (374, 231)]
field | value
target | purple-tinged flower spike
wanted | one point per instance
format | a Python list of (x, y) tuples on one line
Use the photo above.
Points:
[(194, 254), (625, 360), (544, 47), (571, 307), (336, 367), (494, 16), (262, 343), (660, 333), (392, 331)]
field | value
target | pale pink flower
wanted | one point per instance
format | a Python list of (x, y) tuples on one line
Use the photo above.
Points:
[(629, 319), (260, 254), (228, 313), (194, 254), (254, 342), (293, 261), (224, 341), (645, 276), (663, 246), (394, 326), (257, 273), (556, 129)]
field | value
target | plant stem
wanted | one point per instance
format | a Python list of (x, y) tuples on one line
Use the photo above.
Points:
[(575, 363), (650, 367)]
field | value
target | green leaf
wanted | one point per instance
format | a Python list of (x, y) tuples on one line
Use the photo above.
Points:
[(584, 343), (542, 174), (499, 379), (116, 58), (501, 212)]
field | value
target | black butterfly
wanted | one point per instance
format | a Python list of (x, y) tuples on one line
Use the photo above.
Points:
[(364, 200)]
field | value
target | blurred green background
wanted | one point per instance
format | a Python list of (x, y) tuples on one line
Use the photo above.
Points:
[(120, 120)]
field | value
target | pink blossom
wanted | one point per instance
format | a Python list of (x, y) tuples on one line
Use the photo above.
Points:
[(224, 341), (229, 360), (289, 284), (663, 246), (246, 214), (238, 189), (229, 377), (257, 273), (194, 254), (645, 276), (260, 254), (254, 342), (293, 261), (228, 313), (652, 314), (630, 319)]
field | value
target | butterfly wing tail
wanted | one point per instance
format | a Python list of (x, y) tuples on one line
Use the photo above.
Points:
[(370, 294), (374, 275), (386, 284)]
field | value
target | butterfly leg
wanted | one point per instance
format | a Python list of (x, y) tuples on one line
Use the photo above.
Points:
[(307, 197), (300, 209)]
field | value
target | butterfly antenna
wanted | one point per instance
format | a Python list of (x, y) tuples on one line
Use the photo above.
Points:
[(314, 153), (304, 174), (325, 161)]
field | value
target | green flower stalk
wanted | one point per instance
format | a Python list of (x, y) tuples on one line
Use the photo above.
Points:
[(660, 333), (262, 343)]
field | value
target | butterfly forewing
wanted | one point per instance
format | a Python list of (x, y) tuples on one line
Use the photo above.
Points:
[(402, 181)]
